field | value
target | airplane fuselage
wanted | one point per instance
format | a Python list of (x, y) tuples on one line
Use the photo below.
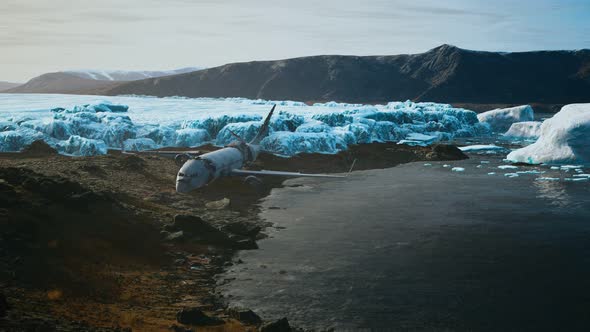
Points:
[(198, 172)]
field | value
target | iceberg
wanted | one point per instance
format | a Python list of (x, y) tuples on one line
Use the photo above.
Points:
[(285, 121), (7, 126), (564, 138), (191, 137), (16, 140), (214, 125), (139, 144), (501, 119), (314, 126), (80, 146), (161, 135), (288, 144), (524, 130), (246, 130), (136, 123)]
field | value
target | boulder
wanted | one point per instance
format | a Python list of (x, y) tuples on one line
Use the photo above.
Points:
[(218, 205), (177, 328), (195, 227), (243, 243), (39, 148), (194, 316), (281, 325), (192, 225), (246, 316), (446, 152), (242, 228)]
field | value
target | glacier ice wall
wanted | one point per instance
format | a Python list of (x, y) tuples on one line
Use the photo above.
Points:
[(86, 125)]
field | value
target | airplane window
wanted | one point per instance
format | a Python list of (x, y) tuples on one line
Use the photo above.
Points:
[(180, 174)]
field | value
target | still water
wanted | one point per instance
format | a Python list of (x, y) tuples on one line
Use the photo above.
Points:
[(419, 247)]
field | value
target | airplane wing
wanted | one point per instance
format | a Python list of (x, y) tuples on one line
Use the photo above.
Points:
[(164, 153), (243, 172)]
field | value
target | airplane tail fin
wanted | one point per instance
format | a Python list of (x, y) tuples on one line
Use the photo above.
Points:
[(264, 129)]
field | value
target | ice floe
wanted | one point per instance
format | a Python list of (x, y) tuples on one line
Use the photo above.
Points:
[(484, 149), (507, 167), (547, 179), (564, 138)]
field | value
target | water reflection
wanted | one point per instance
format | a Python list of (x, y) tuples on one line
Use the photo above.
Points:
[(554, 192)]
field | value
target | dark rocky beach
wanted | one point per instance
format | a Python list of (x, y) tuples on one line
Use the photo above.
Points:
[(105, 243)]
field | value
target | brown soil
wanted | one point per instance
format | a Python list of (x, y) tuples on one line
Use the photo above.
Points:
[(82, 247)]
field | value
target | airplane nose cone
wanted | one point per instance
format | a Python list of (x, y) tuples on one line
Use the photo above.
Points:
[(182, 186)]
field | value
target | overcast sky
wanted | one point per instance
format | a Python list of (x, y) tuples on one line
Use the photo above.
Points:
[(39, 36)]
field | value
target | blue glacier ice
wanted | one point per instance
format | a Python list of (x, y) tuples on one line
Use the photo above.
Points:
[(86, 125), (80, 146), (15, 140), (214, 125), (139, 144), (191, 137), (246, 130), (161, 135), (285, 121), (286, 143)]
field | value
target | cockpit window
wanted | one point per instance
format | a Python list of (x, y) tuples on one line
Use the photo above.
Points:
[(187, 175)]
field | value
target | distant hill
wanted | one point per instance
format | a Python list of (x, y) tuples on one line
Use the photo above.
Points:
[(124, 75), (7, 85), (443, 74), (86, 82), (61, 83)]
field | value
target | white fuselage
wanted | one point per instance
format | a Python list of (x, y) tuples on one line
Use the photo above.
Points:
[(198, 172)]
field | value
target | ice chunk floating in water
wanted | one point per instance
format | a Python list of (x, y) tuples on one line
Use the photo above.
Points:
[(483, 149), (86, 125), (501, 119), (524, 130), (565, 138)]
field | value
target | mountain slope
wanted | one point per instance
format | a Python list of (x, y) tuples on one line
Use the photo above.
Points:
[(61, 83), (86, 82), (7, 85), (443, 74), (124, 75)]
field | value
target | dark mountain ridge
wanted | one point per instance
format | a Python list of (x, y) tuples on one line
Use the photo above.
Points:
[(444, 74)]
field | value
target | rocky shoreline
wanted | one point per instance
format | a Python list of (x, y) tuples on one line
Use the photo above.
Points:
[(91, 243)]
